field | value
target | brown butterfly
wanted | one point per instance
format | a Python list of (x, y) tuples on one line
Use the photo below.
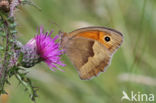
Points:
[(90, 49)]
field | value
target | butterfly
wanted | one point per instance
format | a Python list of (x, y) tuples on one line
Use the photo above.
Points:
[(90, 49)]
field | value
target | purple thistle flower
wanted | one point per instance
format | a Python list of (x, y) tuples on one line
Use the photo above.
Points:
[(47, 48)]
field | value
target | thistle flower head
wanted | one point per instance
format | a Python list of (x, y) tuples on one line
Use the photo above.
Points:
[(47, 49)]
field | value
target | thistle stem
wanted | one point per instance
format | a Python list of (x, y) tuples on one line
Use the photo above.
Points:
[(5, 61)]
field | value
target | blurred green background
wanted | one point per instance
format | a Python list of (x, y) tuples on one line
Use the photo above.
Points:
[(133, 67)]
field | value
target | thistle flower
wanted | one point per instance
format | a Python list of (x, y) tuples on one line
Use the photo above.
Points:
[(42, 48)]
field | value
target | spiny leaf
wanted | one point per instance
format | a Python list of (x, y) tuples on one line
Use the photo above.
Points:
[(1, 48), (3, 92), (13, 31), (12, 25), (2, 33)]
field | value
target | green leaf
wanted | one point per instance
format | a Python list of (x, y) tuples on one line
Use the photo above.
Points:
[(2, 33), (12, 25), (1, 48), (3, 92), (26, 82), (11, 19), (13, 31)]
